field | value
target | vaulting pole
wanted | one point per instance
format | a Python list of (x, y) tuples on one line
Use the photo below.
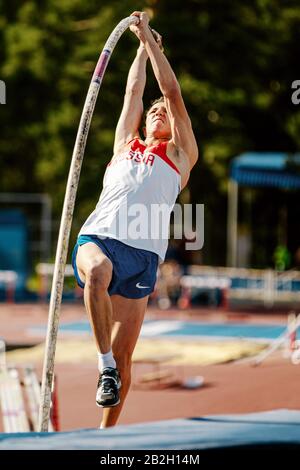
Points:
[(66, 219)]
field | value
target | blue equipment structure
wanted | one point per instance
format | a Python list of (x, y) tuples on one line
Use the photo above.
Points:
[(14, 250), (258, 169)]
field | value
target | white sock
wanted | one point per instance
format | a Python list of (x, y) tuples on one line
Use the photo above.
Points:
[(106, 360)]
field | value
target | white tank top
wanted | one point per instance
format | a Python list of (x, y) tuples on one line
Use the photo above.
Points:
[(140, 188)]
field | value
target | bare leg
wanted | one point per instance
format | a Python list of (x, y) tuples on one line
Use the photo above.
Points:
[(95, 270), (128, 315)]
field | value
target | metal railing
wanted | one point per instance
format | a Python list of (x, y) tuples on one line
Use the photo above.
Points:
[(266, 285)]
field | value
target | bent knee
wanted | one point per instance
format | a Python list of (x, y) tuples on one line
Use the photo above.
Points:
[(124, 363), (99, 273)]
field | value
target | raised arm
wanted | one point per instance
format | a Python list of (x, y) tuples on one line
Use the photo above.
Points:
[(129, 121), (182, 132)]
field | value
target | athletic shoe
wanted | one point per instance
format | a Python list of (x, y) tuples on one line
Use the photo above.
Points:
[(108, 387)]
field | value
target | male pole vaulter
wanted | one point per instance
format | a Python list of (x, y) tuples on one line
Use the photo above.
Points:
[(118, 273)]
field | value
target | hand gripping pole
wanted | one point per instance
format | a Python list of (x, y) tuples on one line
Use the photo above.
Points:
[(66, 219)]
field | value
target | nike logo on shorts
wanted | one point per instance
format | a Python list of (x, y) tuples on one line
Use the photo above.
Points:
[(142, 287)]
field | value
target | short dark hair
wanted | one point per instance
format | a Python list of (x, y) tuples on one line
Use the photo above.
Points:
[(152, 103), (158, 100)]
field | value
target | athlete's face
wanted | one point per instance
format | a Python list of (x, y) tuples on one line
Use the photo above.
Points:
[(158, 122)]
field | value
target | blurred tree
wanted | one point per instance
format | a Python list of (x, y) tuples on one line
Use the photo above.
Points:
[(282, 258), (235, 62)]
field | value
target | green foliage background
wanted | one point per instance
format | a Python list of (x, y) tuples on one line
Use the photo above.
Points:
[(235, 61)]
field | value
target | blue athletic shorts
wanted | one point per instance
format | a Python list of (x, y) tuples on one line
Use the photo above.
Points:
[(134, 269)]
